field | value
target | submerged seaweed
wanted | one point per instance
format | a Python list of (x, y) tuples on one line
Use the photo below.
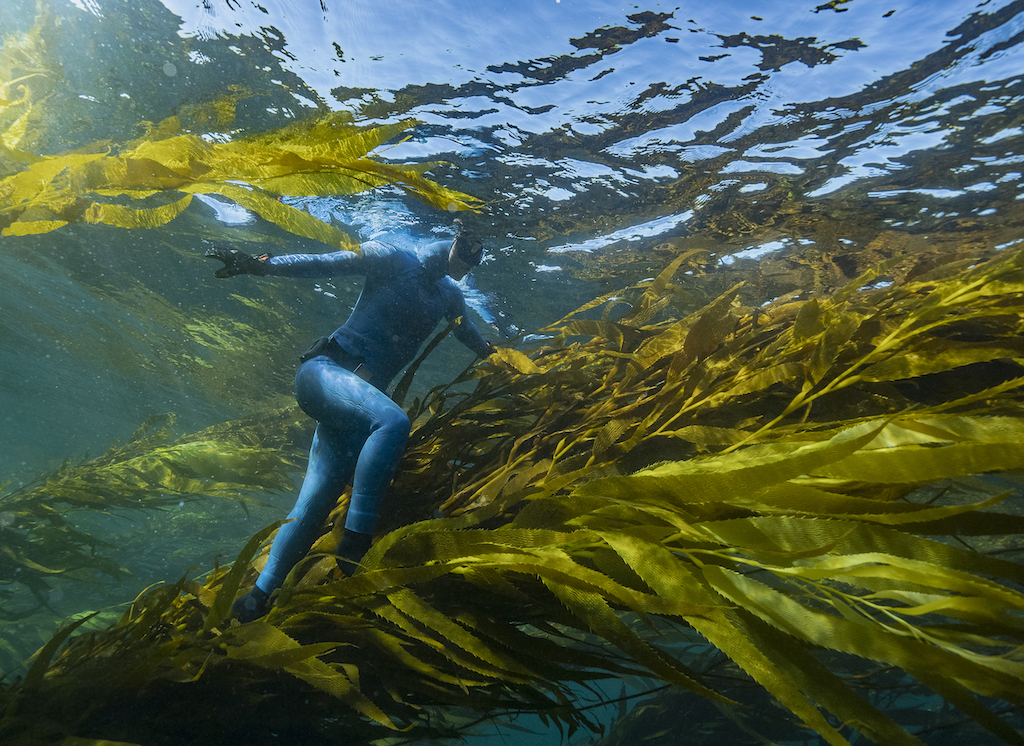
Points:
[(792, 485), (43, 540)]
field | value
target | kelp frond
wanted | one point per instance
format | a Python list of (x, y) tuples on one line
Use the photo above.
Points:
[(151, 181), (795, 486), (150, 471)]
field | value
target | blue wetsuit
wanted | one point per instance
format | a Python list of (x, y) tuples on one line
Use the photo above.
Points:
[(361, 433)]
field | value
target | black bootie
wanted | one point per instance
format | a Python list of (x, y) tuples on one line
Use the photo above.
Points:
[(351, 549), (251, 606)]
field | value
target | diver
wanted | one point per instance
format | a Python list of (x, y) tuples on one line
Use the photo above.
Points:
[(361, 433)]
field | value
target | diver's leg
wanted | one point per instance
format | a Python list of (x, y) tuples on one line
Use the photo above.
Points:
[(331, 461), (331, 395), (377, 461), (374, 470)]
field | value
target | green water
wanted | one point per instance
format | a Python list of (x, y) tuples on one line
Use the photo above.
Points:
[(603, 137)]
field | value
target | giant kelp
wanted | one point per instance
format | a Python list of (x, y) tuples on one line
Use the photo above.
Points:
[(152, 471), (325, 156), (792, 483), (148, 182)]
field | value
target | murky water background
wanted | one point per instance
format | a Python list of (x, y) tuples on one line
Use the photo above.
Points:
[(794, 142)]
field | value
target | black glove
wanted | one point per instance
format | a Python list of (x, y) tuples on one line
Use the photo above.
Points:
[(237, 262)]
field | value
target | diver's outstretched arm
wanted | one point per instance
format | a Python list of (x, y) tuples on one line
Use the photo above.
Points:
[(374, 257)]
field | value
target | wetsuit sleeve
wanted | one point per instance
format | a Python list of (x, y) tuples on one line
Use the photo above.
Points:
[(374, 258), (465, 331)]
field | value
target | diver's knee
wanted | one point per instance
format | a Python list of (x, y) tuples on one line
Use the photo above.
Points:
[(395, 423)]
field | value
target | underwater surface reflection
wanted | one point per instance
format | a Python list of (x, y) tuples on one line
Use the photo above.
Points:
[(786, 148)]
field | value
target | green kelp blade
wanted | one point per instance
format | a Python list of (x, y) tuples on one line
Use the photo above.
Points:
[(726, 630), (840, 326), (483, 659), (725, 477), (921, 464), (773, 539), (759, 381), (35, 674), (593, 611), (695, 337), (793, 497), (878, 565), (808, 322), (986, 675), (940, 357), (799, 666), (961, 698), (979, 429), (221, 607), (557, 567), (266, 646), (558, 326), (655, 296)]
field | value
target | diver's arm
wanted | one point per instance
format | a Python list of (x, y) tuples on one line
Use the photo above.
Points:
[(316, 265), (374, 257), (465, 331)]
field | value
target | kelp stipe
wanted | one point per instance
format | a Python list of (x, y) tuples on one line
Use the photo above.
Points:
[(793, 484)]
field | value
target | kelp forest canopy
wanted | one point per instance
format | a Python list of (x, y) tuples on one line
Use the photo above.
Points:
[(749, 445)]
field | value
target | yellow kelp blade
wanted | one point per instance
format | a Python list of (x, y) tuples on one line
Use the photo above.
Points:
[(514, 359), (126, 217), (32, 227), (325, 158), (723, 477)]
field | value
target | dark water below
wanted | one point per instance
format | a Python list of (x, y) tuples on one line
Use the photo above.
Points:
[(604, 137)]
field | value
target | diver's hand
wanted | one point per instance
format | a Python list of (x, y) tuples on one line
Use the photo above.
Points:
[(237, 262)]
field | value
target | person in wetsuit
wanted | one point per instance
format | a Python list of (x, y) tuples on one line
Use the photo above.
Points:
[(361, 433)]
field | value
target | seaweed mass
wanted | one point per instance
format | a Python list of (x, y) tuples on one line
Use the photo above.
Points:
[(793, 485)]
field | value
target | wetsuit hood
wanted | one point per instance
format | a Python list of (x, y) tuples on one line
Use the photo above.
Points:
[(435, 259)]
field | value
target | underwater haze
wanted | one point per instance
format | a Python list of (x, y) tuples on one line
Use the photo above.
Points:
[(786, 147)]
